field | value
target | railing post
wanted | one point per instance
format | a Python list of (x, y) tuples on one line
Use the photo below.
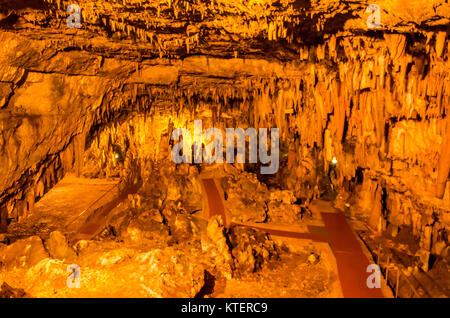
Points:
[(387, 270)]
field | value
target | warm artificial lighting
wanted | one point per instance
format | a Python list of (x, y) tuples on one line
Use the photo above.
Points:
[(189, 149)]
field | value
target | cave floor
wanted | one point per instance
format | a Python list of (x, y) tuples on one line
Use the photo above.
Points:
[(292, 276), (107, 264), (61, 206), (303, 268)]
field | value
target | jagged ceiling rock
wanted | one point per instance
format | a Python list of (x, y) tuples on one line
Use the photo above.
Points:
[(222, 27)]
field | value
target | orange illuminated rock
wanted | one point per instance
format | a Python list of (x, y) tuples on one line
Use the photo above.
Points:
[(23, 253), (58, 247)]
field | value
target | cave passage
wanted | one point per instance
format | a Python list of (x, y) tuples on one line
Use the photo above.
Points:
[(225, 149)]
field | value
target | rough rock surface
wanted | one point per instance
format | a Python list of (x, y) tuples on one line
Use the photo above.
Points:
[(214, 243), (23, 253), (251, 249), (58, 247), (7, 291)]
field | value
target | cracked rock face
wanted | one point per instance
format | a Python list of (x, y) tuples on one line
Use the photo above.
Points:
[(375, 100)]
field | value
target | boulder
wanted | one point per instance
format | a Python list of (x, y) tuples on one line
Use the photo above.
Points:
[(251, 249), (146, 229), (58, 247), (23, 253), (285, 213), (181, 228), (169, 272), (214, 245), (7, 291)]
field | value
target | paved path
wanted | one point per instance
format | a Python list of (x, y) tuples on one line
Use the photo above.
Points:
[(351, 261), (291, 234), (215, 202)]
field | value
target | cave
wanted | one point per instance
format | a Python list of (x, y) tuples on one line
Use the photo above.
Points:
[(224, 149)]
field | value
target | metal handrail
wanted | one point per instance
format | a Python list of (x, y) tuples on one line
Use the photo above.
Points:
[(399, 272), (93, 203)]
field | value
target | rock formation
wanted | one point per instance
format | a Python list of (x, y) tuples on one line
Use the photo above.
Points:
[(362, 111)]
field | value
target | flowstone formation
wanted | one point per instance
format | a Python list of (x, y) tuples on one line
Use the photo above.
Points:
[(362, 113)]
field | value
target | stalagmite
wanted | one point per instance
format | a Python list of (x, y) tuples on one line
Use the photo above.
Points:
[(40, 188), (30, 200), (444, 162), (377, 210), (3, 219)]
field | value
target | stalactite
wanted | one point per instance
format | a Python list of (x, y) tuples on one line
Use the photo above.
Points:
[(440, 42), (40, 188)]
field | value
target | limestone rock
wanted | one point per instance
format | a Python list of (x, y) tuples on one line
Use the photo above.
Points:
[(285, 196), (423, 257), (284, 213), (58, 247), (170, 273), (214, 245), (251, 249), (114, 256), (7, 291), (181, 228), (3, 239), (143, 229), (23, 253), (313, 259)]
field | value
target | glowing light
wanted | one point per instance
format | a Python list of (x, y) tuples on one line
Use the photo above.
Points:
[(334, 161), (116, 156)]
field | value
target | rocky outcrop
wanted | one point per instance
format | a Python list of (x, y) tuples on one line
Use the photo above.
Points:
[(23, 253), (7, 291), (251, 249), (214, 245), (58, 247)]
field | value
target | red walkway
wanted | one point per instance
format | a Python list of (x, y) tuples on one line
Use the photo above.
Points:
[(351, 261), (297, 235), (214, 200)]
